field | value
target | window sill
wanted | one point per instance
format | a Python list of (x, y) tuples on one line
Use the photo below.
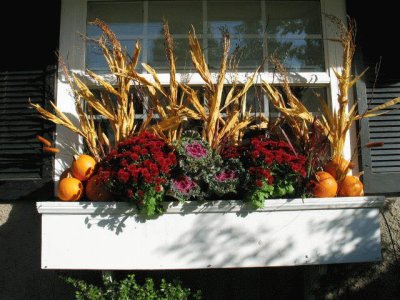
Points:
[(220, 234)]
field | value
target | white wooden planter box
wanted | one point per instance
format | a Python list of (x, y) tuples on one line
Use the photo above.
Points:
[(220, 234)]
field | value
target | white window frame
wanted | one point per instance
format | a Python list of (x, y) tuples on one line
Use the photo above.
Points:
[(73, 47)]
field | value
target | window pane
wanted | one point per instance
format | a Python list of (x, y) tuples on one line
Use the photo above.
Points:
[(180, 15), (299, 18), (297, 54), (255, 100), (122, 18), (249, 52), (291, 30), (157, 58), (240, 18), (294, 33), (95, 60)]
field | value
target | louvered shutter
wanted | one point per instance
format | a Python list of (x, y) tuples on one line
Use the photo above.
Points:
[(381, 165), (25, 171)]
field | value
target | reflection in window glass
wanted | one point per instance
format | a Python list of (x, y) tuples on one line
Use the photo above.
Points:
[(297, 54), (180, 15), (156, 56), (95, 60), (125, 19), (248, 52), (290, 30)]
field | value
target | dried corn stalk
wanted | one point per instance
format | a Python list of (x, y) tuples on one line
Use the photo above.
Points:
[(220, 122), (293, 111), (170, 108), (120, 114)]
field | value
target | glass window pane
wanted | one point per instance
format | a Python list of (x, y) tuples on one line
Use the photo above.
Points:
[(249, 52), (238, 17), (255, 100), (294, 34), (297, 54), (125, 19), (156, 56), (95, 60), (290, 30), (287, 18), (179, 14)]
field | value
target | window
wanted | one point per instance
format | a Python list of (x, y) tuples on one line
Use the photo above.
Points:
[(290, 29)]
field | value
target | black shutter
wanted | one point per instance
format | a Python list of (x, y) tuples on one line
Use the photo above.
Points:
[(381, 165), (25, 171)]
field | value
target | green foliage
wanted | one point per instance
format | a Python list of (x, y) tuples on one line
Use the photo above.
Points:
[(128, 289), (258, 195), (152, 202)]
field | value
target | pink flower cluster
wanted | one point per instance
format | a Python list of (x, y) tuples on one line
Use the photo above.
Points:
[(196, 150), (183, 184), (226, 175)]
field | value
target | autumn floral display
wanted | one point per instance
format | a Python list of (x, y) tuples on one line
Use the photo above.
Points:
[(231, 153)]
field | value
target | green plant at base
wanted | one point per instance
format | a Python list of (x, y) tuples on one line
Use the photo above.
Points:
[(128, 289), (258, 195)]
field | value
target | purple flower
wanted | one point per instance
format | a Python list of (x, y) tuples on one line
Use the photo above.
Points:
[(196, 150), (226, 175), (183, 185)]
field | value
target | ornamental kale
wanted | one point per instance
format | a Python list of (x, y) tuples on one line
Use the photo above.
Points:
[(138, 170), (202, 172)]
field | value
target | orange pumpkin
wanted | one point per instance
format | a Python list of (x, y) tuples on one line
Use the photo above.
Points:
[(338, 167), (95, 190), (351, 186), (83, 167), (70, 189), (324, 185)]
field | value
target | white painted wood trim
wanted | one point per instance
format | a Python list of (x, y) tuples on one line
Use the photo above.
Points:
[(226, 206), (334, 59), (72, 50), (301, 78)]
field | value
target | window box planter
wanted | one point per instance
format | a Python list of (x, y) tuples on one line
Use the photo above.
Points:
[(220, 234)]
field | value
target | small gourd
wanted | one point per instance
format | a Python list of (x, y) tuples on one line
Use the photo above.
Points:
[(351, 186), (95, 190), (324, 185), (83, 167), (70, 189)]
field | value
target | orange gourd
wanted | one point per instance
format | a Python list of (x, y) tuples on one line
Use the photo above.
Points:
[(95, 190), (83, 167), (70, 189), (324, 185), (338, 167), (351, 186)]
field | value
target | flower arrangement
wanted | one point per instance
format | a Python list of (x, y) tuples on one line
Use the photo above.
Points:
[(202, 172), (138, 170), (275, 169), (160, 157)]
